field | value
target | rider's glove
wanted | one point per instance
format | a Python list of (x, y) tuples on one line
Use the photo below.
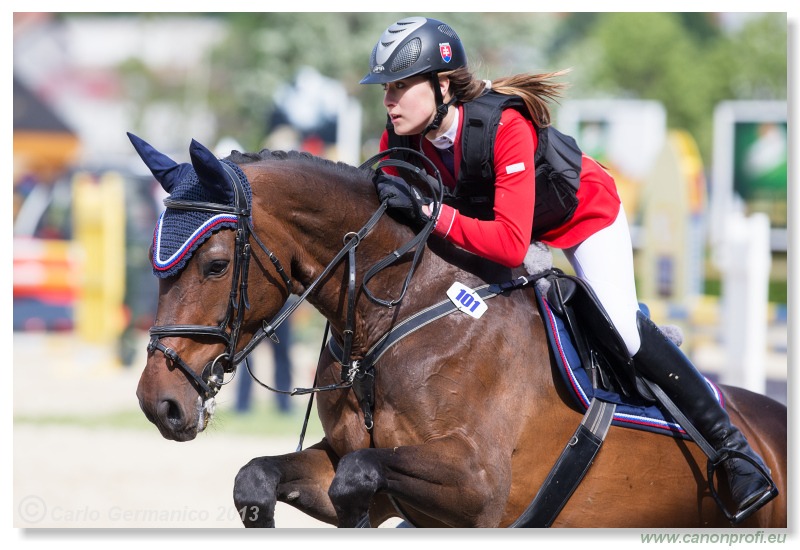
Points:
[(402, 198)]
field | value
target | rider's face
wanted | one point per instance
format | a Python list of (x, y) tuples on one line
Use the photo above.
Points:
[(410, 103)]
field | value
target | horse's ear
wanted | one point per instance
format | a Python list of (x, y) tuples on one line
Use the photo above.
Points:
[(211, 174), (164, 169)]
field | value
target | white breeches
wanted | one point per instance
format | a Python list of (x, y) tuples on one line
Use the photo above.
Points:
[(605, 261)]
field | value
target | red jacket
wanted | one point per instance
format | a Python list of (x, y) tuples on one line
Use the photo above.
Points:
[(506, 239)]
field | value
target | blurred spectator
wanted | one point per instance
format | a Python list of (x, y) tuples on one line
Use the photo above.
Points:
[(283, 372)]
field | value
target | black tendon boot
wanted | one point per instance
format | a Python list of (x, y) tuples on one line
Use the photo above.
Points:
[(663, 363)]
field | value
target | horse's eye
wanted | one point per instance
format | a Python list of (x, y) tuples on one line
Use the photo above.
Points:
[(216, 267)]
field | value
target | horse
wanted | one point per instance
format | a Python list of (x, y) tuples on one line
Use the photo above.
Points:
[(468, 415)]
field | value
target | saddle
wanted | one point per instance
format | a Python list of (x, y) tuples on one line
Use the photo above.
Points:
[(600, 348), (597, 368)]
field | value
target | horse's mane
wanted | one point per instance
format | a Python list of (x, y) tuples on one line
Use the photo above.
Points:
[(240, 158)]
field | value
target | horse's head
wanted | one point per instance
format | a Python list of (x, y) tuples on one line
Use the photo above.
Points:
[(201, 255)]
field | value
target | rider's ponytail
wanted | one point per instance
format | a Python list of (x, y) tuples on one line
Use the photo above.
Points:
[(536, 90)]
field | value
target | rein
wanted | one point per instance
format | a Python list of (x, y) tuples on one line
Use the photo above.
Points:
[(211, 379), (351, 241), (268, 328)]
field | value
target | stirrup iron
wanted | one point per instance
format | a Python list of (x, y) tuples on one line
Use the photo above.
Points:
[(740, 515)]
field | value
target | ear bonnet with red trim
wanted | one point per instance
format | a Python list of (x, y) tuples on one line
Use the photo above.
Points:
[(179, 232)]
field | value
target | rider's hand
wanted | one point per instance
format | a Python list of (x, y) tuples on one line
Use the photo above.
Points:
[(402, 198)]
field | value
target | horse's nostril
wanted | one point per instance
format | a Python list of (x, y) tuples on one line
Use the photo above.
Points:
[(170, 412)]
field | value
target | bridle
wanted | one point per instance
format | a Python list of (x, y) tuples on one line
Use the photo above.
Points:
[(211, 379)]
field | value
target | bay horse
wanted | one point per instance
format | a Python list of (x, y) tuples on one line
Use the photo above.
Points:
[(469, 415)]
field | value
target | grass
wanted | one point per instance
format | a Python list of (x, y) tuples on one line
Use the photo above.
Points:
[(268, 421), (262, 420), (132, 419)]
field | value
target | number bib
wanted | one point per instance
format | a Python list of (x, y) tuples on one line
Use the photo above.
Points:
[(466, 300)]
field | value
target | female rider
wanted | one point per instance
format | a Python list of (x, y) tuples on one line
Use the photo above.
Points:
[(432, 100)]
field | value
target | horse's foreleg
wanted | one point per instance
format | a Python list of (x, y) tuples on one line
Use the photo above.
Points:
[(298, 479), (445, 477)]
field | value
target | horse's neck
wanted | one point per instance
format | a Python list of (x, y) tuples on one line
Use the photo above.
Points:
[(319, 220)]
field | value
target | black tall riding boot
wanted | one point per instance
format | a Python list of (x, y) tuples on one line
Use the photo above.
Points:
[(663, 363)]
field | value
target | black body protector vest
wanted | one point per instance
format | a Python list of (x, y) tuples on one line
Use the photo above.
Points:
[(557, 161)]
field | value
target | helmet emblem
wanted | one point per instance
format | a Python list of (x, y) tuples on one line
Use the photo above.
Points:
[(446, 51), (377, 69)]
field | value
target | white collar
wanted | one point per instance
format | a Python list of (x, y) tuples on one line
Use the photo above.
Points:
[(447, 139)]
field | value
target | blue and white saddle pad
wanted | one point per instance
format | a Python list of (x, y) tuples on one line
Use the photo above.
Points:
[(631, 412)]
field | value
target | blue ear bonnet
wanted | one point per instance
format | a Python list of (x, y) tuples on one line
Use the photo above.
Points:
[(178, 233), (182, 228)]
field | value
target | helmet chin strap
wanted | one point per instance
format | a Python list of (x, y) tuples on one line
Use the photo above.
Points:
[(441, 106)]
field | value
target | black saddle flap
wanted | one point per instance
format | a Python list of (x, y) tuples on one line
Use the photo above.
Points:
[(572, 297), (561, 292)]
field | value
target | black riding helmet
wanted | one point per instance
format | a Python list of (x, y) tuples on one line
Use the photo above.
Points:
[(413, 46), (416, 46)]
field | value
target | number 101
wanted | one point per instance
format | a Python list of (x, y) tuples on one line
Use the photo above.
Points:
[(467, 300)]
